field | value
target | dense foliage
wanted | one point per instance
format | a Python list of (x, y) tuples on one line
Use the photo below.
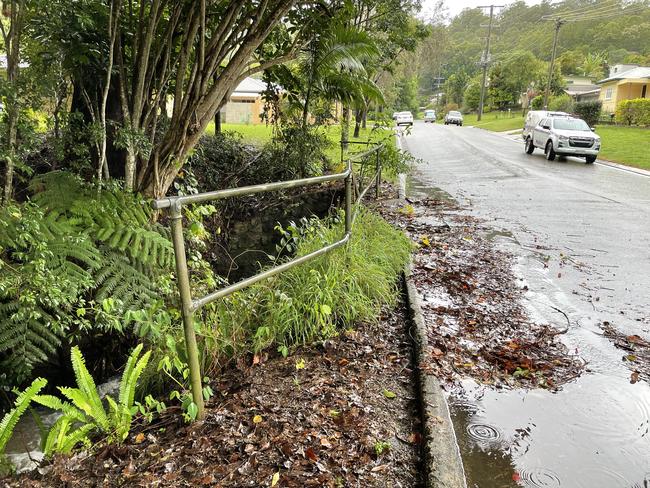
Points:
[(72, 258), (589, 111), (634, 112), (316, 299)]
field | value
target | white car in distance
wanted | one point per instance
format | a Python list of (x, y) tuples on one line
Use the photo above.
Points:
[(404, 118), (430, 116)]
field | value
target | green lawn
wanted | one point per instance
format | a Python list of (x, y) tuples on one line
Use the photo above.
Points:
[(260, 134), (256, 134), (625, 145), (496, 121)]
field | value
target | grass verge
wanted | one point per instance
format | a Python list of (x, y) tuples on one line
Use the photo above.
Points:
[(316, 299), (625, 145), (496, 121)]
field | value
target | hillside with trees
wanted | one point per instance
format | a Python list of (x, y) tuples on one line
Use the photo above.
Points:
[(596, 35)]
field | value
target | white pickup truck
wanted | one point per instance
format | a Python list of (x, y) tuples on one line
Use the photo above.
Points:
[(564, 136)]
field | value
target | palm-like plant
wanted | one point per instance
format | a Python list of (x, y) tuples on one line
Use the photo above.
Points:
[(332, 68)]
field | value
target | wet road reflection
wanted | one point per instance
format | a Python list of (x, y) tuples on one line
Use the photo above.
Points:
[(580, 236)]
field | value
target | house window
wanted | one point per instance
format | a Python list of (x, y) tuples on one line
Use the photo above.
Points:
[(608, 93), (643, 91)]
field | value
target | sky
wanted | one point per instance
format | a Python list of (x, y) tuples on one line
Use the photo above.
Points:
[(454, 7)]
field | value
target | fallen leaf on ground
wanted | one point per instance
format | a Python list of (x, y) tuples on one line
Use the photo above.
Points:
[(275, 479)]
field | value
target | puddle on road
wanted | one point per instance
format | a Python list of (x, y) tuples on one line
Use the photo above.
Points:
[(593, 433), (420, 190)]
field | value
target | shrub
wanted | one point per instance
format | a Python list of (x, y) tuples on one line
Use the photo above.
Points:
[(589, 111), (537, 103), (297, 152), (224, 160), (634, 112), (561, 103)]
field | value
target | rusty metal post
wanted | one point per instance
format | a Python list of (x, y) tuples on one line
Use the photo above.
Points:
[(348, 199), (183, 278)]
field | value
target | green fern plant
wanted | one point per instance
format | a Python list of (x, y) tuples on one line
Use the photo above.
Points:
[(119, 220), (83, 412), (21, 404), (67, 249)]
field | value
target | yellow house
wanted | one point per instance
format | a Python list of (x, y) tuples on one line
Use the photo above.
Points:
[(625, 82)]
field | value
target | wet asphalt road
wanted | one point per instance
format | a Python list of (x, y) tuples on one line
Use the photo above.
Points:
[(581, 237)]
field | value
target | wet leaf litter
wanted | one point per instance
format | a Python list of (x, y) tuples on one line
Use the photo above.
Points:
[(472, 303), (635, 352), (341, 413)]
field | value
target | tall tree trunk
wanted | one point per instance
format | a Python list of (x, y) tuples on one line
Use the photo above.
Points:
[(364, 118), (217, 122), (12, 133), (345, 127), (12, 39), (357, 123), (305, 109), (113, 19)]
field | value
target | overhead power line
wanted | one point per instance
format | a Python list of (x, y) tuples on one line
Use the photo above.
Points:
[(601, 11), (607, 14), (605, 3)]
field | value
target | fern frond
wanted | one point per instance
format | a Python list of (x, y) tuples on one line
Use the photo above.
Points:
[(58, 439), (55, 403), (128, 369), (132, 375), (119, 278), (21, 404), (69, 442), (86, 385)]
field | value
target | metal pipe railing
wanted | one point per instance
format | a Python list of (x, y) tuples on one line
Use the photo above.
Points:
[(189, 306)]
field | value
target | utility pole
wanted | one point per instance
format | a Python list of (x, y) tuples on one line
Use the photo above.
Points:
[(558, 24), (485, 59)]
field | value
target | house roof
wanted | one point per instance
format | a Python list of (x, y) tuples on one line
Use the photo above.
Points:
[(250, 86), (581, 89), (582, 93), (638, 73)]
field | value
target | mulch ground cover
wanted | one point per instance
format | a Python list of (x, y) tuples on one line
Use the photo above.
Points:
[(339, 414), (472, 303)]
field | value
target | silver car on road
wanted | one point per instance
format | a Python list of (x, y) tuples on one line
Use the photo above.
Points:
[(564, 136)]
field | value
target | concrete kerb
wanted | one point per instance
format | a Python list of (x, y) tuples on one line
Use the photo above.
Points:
[(443, 464)]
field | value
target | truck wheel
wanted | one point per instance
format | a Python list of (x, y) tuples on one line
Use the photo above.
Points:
[(550, 153), (590, 159), (530, 147)]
